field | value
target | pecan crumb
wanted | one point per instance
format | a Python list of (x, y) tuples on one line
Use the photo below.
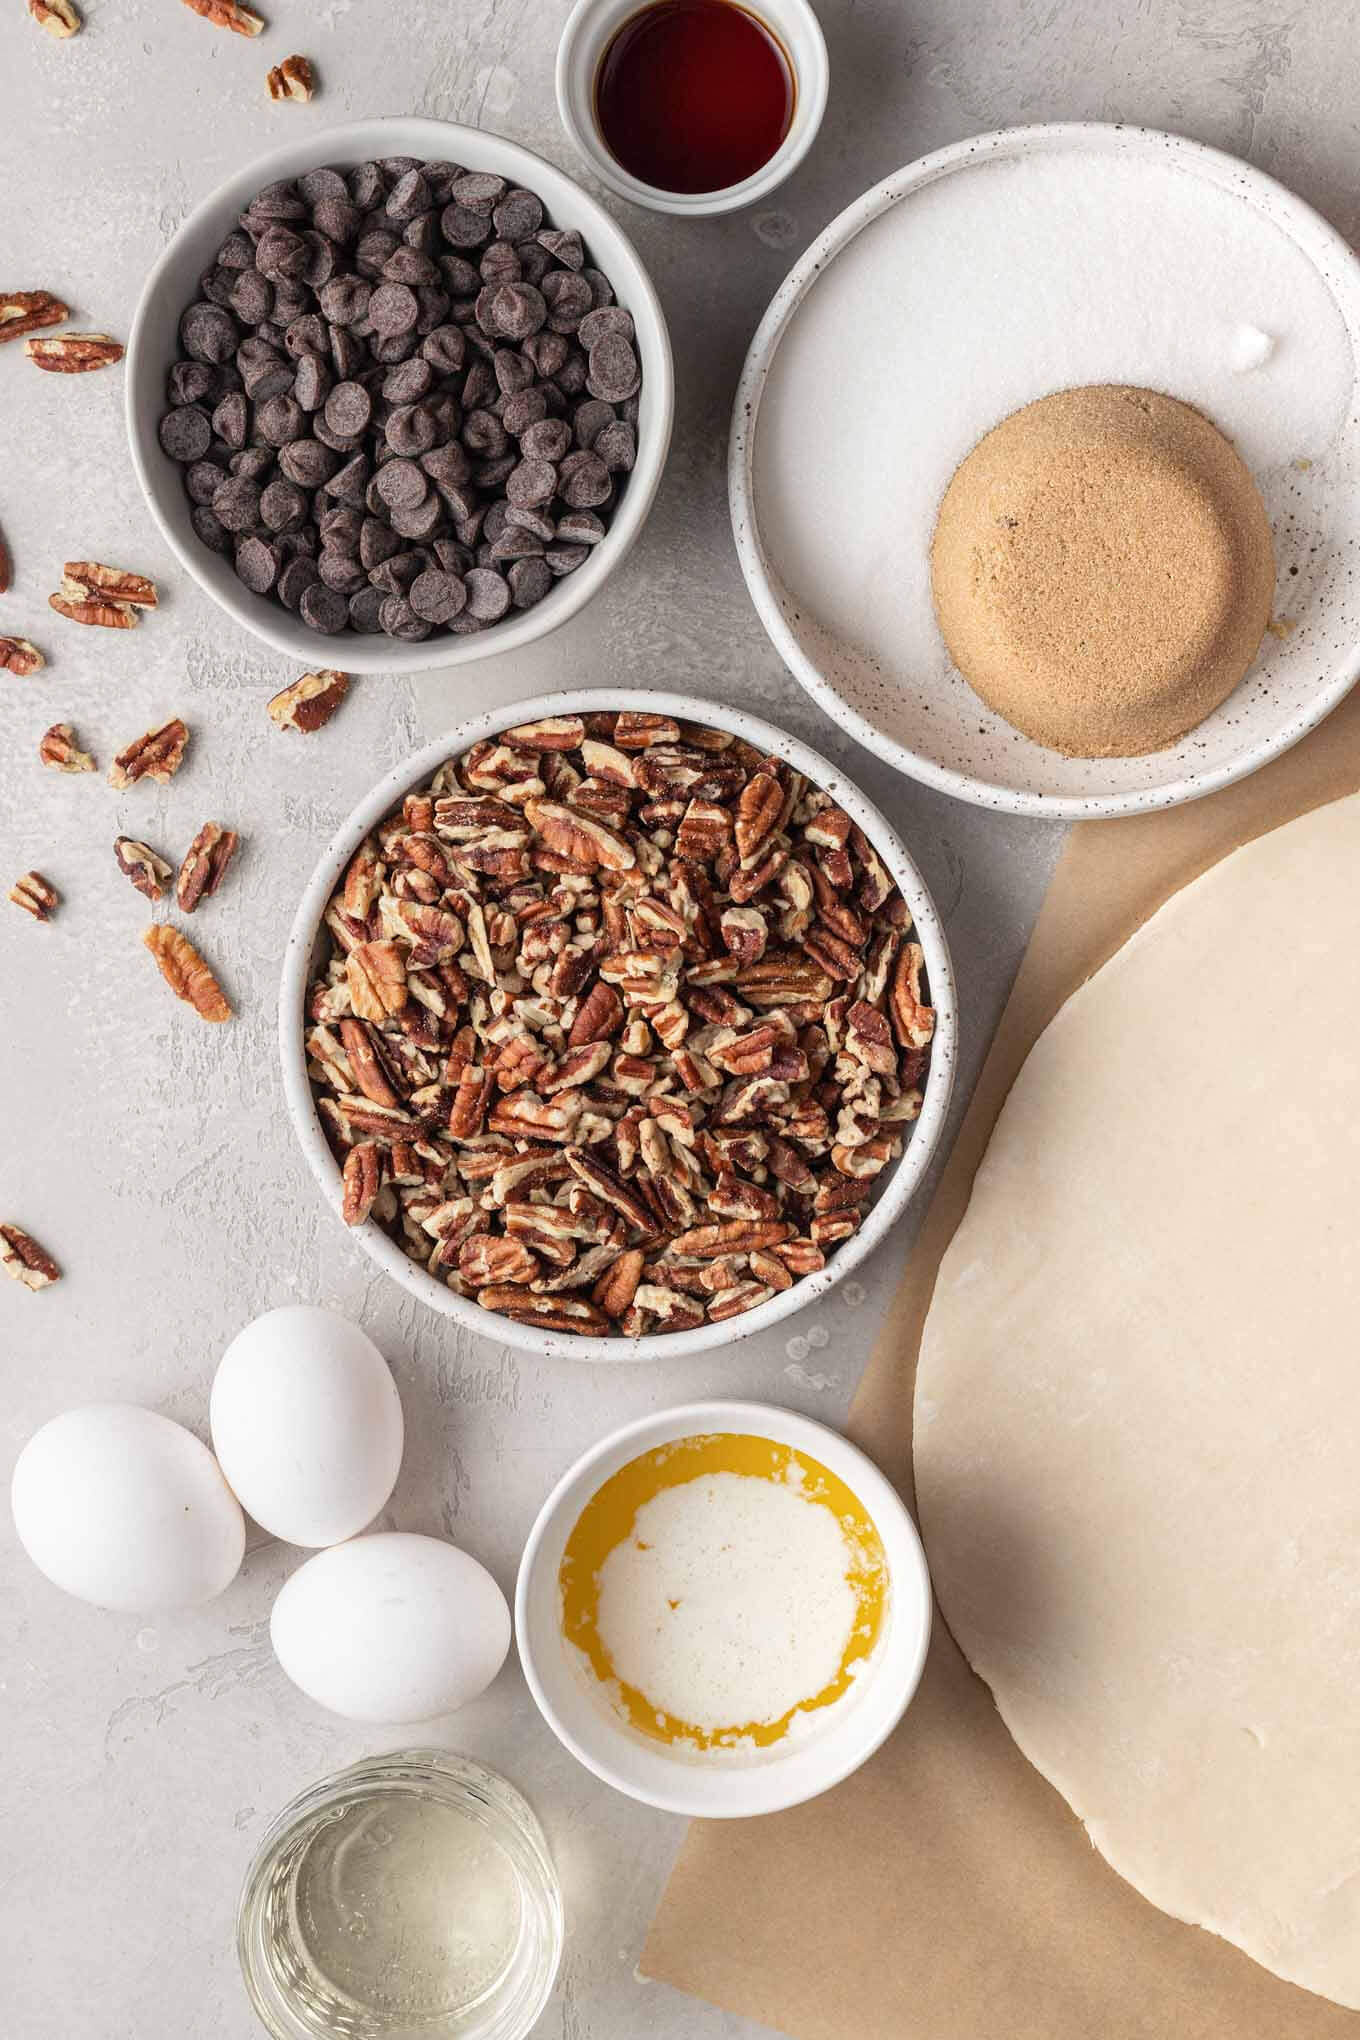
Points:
[(311, 701), (187, 975), (19, 655), (228, 14), (139, 862), (205, 865), (156, 754), (25, 1261), (33, 893), (60, 750), (74, 353), (58, 17), (24, 311), (292, 79)]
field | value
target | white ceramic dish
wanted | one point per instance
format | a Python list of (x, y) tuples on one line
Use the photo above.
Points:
[(901, 1182), (725, 1790), (979, 278), (173, 284), (590, 28)]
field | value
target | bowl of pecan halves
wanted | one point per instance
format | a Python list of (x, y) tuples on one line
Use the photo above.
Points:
[(617, 1025)]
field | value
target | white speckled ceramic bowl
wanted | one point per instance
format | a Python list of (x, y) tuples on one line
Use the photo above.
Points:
[(728, 1788), (901, 1181), (173, 284), (999, 351)]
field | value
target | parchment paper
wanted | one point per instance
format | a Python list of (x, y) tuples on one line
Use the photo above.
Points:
[(946, 1892)]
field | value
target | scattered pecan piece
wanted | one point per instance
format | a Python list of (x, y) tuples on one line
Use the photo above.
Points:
[(25, 1261), (362, 1180), (156, 754), (74, 353), (187, 975), (292, 79), (59, 18), (33, 893), (311, 701), (18, 655), (139, 862), (205, 865), (96, 594), (60, 750), (228, 14), (24, 311)]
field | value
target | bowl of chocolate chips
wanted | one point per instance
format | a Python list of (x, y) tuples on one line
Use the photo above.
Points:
[(617, 1026), (398, 395)]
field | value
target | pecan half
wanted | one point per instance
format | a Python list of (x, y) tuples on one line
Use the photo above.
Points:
[(59, 749), (156, 754), (139, 862), (311, 701), (59, 18), (25, 311), (205, 865), (228, 14), (18, 655), (292, 79), (187, 975), (33, 893), (107, 596), (73, 353), (23, 1260), (913, 1021), (362, 1180)]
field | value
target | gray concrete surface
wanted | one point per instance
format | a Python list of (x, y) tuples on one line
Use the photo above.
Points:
[(143, 1760)]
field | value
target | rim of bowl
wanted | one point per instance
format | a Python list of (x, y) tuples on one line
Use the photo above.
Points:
[(397, 135), (753, 1789), (906, 1173), (1314, 233), (575, 85)]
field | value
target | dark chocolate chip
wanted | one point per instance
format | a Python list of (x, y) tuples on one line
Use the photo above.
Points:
[(523, 411), (236, 503), (201, 481), (488, 594), (297, 577), (312, 384), (208, 333), (614, 373), (236, 252), (308, 463), (252, 297), (500, 263), (377, 542), (252, 463), (564, 245), (256, 565), (345, 299), (464, 228), (397, 618), (484, 434), (231, 420), (283, 505), (408, 382), (323, 609), (565, 559), (616, 446), (209, 529), (185, 433), (607, 319), (436, 596), (340, 570), (279, 420), (189, 382), (531, 483), (580, 527), (517, 216), (409, 196), (402, 485), (547, 439), (348, 409), (529, 582), (584, 481), (365, 606), (537, 522), (393, 309), (422, 520), (408, 265)]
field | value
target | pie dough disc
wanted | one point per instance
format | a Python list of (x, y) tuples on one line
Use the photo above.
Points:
[(1137, 1427)]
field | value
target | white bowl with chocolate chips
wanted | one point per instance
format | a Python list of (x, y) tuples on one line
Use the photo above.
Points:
[(617, 1025), (398, 395)]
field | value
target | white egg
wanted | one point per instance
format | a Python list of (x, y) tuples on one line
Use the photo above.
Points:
[(306, 1423), (391, 1628), (121, 1507)]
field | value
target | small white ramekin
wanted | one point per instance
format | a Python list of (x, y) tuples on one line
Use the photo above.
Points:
[(727, 1788), (173, 284), (905, 1174), (587, 35)]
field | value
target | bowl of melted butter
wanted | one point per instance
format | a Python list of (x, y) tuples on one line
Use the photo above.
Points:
[(723, 1609)]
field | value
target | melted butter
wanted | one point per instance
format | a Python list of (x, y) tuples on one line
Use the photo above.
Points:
[(609, 1519)]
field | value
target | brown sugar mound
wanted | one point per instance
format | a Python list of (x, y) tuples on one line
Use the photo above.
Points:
[(1102, 570)]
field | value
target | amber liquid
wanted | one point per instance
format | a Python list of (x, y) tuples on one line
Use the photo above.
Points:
[(694, 95)]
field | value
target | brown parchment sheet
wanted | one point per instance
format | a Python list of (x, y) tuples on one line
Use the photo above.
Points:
[(946, 1892)]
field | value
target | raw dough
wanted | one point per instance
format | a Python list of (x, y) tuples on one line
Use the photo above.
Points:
[(1138, 1406)]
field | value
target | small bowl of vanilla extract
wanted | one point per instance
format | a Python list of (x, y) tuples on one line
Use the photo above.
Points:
[(692, 106)]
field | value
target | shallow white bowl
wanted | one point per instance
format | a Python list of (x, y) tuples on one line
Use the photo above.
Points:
[(901, 1181), (591, 28), (915, 708), (729, 1788), (173, 284)]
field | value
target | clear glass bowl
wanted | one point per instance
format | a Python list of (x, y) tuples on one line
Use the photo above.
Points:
[(411, 1897)]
